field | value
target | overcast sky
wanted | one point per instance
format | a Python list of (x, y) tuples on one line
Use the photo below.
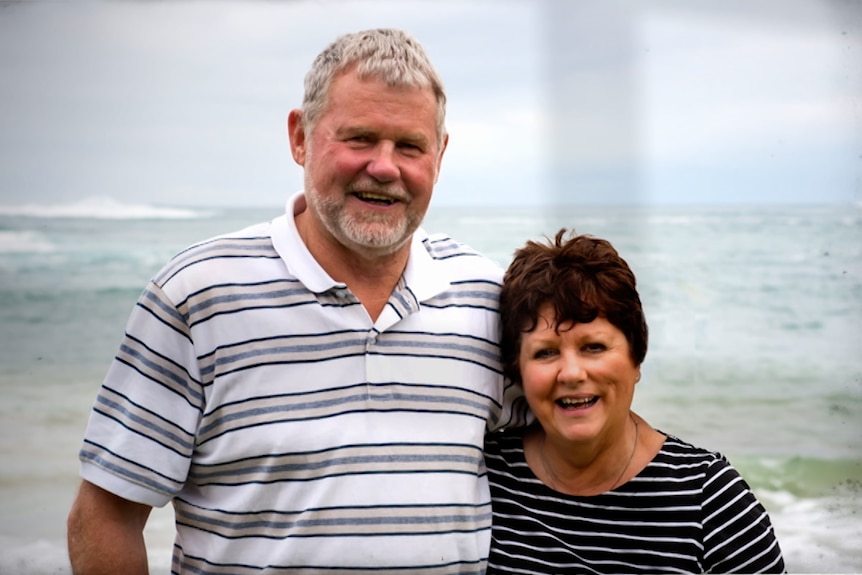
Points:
[(551, 101)]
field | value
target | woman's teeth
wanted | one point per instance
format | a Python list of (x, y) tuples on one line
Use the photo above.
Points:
[(568, 402)]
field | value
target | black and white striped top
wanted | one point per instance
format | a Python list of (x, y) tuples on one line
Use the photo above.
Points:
[(688, 511)]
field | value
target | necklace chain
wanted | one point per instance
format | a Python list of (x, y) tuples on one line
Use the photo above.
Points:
[(553, 476)]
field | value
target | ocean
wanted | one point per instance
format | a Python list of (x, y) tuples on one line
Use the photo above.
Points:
[(755, 317)]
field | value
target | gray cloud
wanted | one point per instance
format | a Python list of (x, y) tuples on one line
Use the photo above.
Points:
[(185, 103)]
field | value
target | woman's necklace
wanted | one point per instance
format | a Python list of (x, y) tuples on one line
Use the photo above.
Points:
[(556, 481)]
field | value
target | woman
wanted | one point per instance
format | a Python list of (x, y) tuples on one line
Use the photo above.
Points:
[(590, 487)]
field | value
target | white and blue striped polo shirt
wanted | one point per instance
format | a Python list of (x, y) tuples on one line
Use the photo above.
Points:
[(290, 432)]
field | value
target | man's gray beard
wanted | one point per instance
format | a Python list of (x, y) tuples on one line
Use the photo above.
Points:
[(373, 238)]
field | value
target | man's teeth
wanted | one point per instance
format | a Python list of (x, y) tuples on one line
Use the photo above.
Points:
[(581, 402), (372, 197)]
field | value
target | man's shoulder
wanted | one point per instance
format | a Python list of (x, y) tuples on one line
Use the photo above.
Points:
[(444, 248), (247, 244), (441, 245), (254, 234)]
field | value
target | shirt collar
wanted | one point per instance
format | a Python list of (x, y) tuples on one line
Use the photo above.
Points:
[(423, 275)]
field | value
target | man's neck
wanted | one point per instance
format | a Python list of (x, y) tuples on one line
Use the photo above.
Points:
[(370, 279)]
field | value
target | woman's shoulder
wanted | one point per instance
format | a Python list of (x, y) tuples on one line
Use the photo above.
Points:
[(504, 449), (679, 456), (682, 469), (679, 448), (505, 439)]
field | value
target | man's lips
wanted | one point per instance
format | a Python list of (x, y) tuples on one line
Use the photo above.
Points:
[(373, 198)]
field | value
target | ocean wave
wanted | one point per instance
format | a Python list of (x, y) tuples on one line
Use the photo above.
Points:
[(817, 535), (15, 242), (815, 505), (803, 477), (103, 208)]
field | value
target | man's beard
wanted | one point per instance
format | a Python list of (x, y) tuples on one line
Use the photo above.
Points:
[(370, 234)]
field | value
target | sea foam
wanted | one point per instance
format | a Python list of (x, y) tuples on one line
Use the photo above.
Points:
[(817, 535), (101, 208), (21, 242)]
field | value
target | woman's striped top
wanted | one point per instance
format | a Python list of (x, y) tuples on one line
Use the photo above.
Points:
[(688, 511)]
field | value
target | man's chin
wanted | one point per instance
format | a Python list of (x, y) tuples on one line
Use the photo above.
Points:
[(377, 239), (378, 247)]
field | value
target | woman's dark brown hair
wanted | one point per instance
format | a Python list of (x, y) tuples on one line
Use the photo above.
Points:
[(582, 277)]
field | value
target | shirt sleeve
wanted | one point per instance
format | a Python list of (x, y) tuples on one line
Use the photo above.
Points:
[(140, 435), (738, 534)]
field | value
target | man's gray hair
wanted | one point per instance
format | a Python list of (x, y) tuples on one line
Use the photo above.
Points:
[(387, 54)]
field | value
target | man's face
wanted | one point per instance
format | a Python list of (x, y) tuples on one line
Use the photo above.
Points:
[(371, 163)]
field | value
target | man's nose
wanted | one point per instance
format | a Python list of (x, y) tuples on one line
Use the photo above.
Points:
[(383, 166)]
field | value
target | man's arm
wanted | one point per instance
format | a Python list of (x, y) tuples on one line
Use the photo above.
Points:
[(106, 533)]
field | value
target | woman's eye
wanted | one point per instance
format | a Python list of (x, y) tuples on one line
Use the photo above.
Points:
[(594, 347), (544, 353)]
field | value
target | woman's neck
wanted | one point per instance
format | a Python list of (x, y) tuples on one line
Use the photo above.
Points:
[(585, 469)]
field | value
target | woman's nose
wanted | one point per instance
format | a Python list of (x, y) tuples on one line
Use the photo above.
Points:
[(571, 368)]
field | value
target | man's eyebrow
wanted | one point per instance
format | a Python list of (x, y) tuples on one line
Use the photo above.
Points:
[(352, 131), (417, 138)]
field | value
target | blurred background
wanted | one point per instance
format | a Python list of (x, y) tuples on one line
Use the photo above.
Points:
[(718, 145), (551, 101)]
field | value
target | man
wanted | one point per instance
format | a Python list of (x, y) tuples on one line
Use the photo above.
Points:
[(311, 393)]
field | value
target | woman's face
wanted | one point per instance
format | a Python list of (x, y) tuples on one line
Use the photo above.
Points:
[(579, 382)]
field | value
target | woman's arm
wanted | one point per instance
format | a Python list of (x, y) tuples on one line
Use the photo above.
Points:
[(738, 535)]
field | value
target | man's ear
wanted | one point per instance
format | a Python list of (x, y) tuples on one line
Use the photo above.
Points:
[(297, 136), (440, 155)]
